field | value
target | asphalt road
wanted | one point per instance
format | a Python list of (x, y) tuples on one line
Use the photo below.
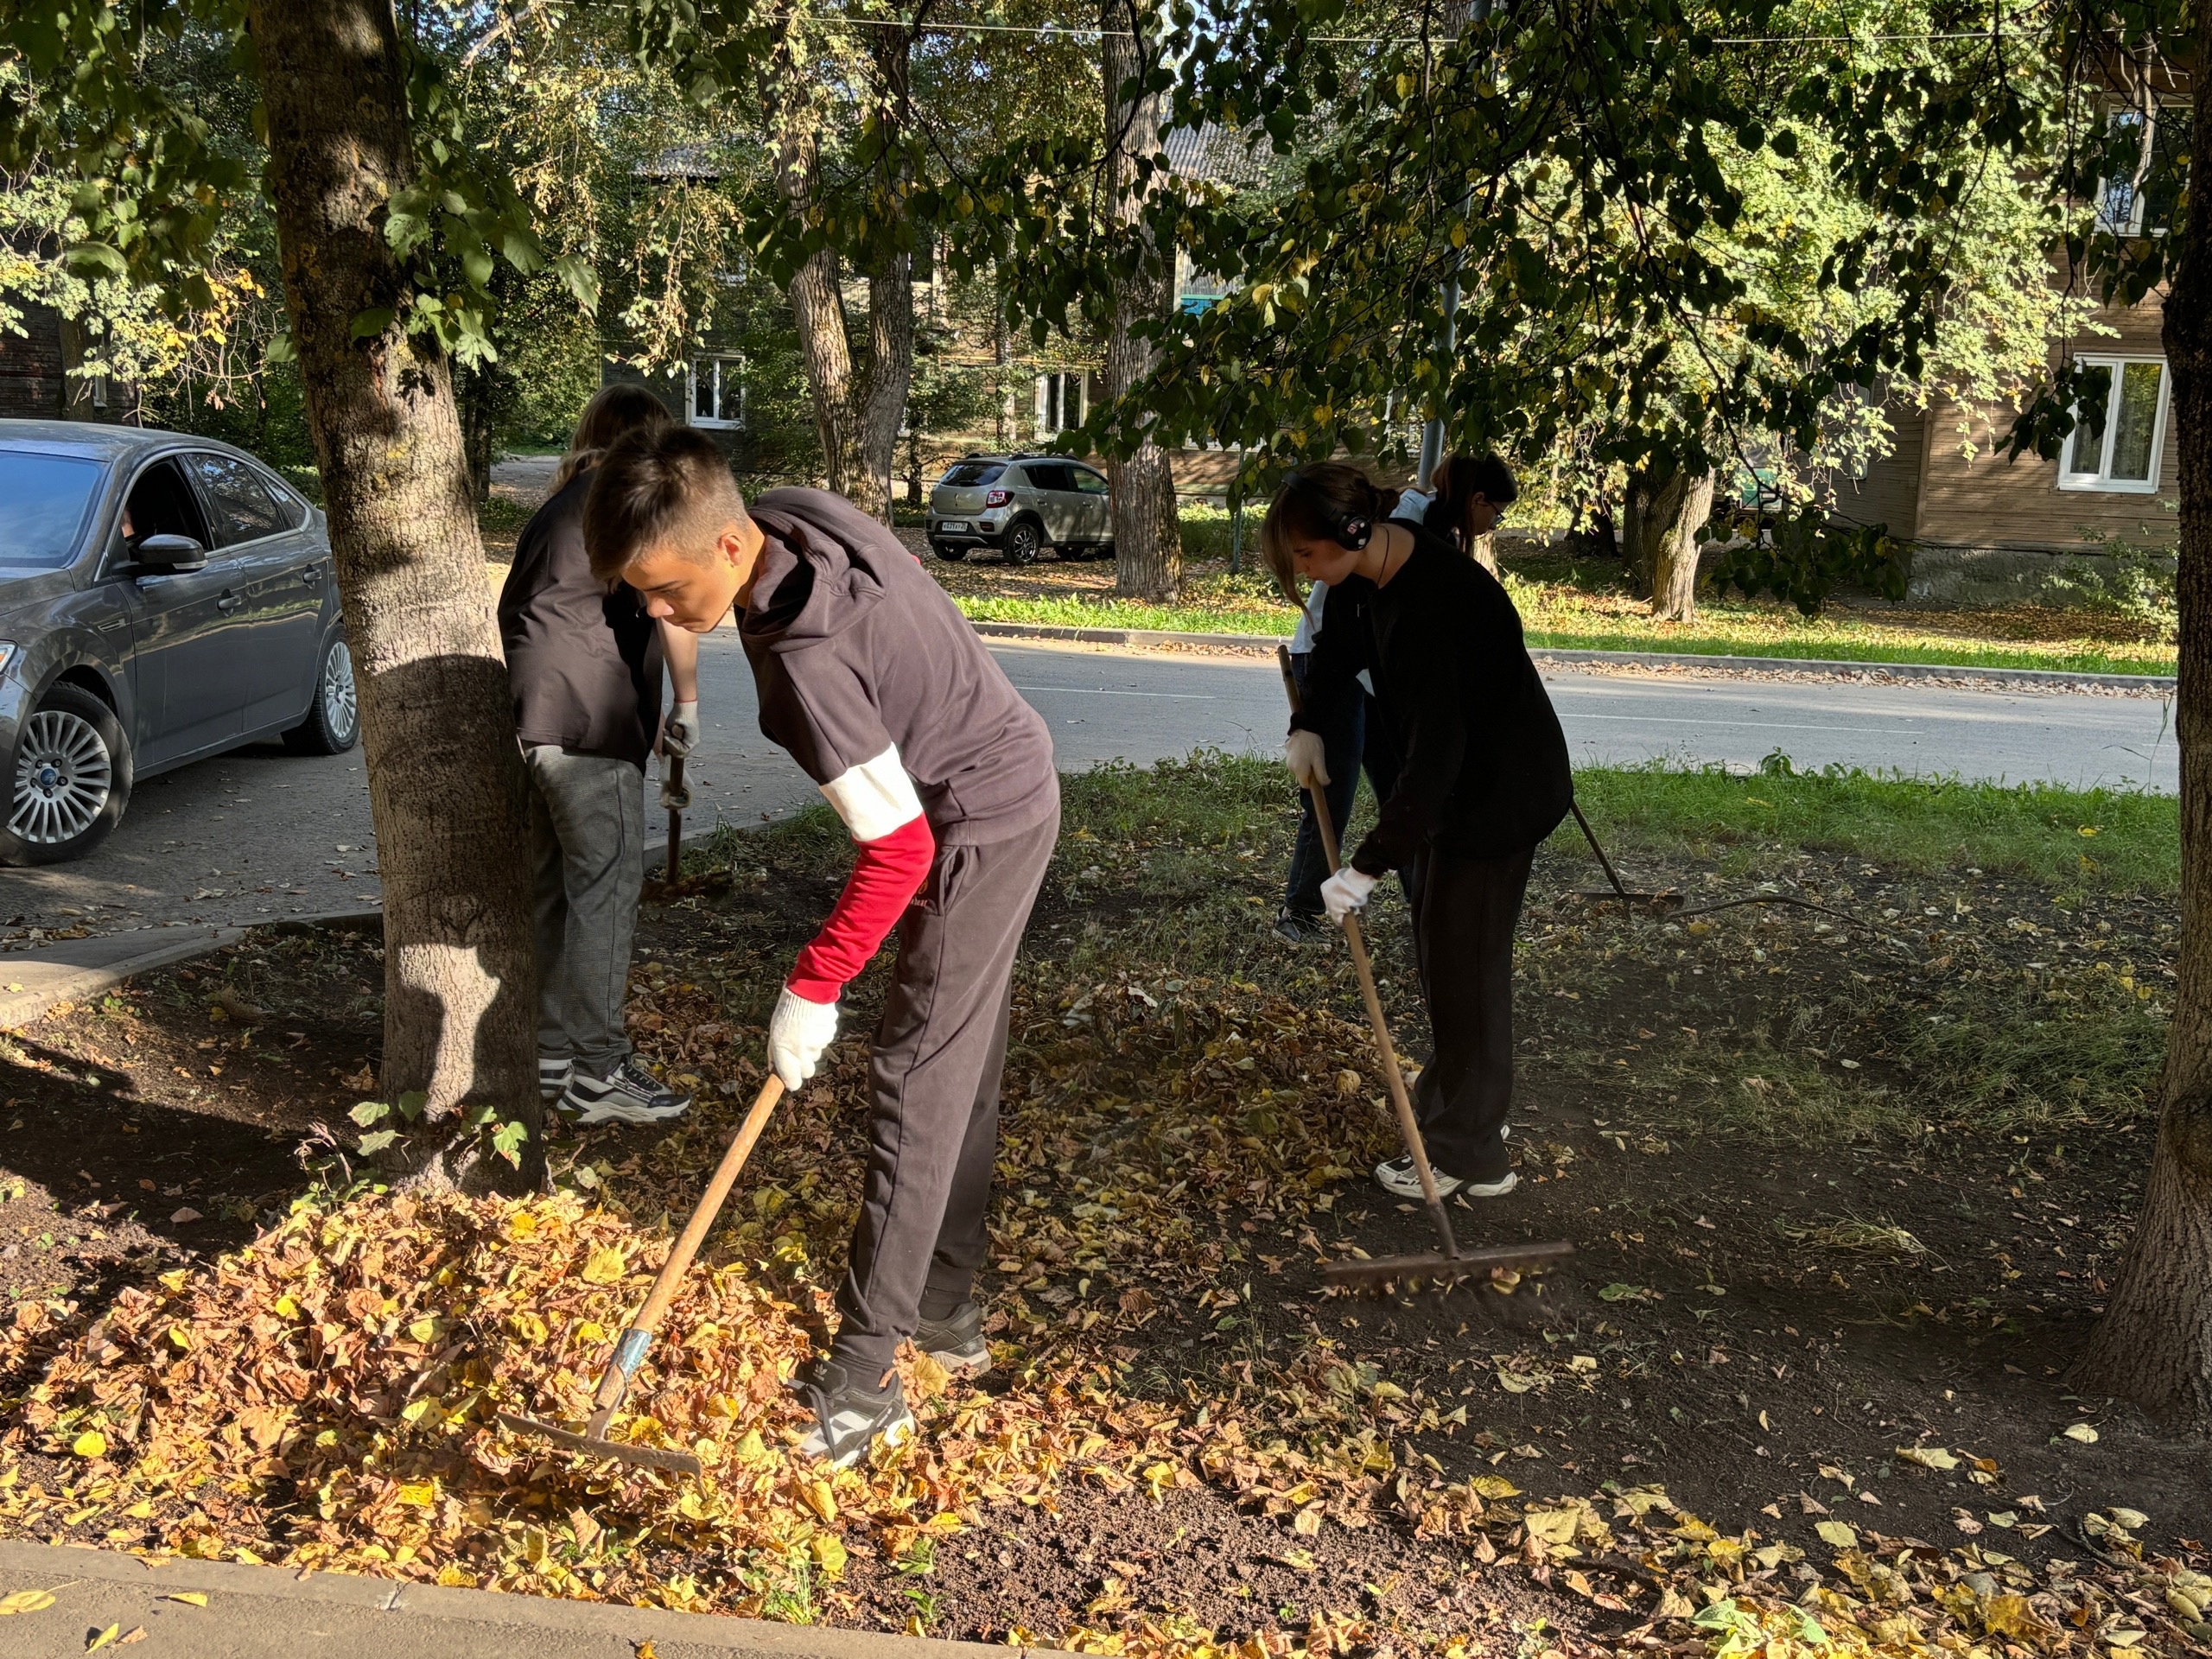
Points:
[(260, 834)]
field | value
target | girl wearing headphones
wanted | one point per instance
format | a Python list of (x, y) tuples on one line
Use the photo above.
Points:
[(1483, 779)]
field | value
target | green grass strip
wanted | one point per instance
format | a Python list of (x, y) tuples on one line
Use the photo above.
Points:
[(2068, 839)]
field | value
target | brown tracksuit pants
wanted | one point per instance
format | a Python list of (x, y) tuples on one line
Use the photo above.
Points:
[(934, 1127)]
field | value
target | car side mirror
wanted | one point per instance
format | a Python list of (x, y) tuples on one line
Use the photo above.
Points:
[(166, 554)]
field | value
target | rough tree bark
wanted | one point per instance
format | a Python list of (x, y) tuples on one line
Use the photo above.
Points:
[(858, 409), (445, 777), (1148, 536), (1666, 507), (2154, 1344), (1002, 358)]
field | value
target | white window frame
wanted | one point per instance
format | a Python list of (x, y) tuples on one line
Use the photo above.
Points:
[(1049, 405), (2100, 482), (725, 367)]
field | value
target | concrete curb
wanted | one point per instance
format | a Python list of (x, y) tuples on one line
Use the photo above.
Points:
[(1821, 667), (75, 970), (247, 1603)]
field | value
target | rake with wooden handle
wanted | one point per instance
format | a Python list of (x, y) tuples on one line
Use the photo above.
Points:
[(1453, 1262), (630, 1349)]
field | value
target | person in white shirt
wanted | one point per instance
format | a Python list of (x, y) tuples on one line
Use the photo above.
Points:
[(1357, 739)]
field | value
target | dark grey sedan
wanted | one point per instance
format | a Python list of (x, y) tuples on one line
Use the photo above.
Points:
[(162, 598)]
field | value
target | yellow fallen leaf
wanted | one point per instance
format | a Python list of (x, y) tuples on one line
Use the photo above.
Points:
[(189, 1597), (1495, 1487), (1835, 1532), (25, 1601), (1927, 1457), (2082, 1433), (90, 1444), (419, 1494), (1553, 1526), (605, 1266), (103, 1638), (817, 1496)]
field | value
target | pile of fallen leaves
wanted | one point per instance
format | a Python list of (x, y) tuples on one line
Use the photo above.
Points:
[(328, 1397)]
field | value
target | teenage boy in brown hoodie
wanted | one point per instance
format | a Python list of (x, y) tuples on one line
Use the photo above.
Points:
[(872, 680)]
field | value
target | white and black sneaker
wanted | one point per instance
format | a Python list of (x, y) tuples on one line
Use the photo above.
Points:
[(1295, 927), (849, 1417), (628, 1093), (553, 1074), (956, 1342), (1397, 1177)]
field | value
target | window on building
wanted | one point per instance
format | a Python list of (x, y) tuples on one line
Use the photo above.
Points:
[(2140, 187), (717, 396), (2121, 426), (1062, 402)]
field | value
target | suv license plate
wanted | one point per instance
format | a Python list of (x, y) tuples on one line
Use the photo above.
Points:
[(951, 525)]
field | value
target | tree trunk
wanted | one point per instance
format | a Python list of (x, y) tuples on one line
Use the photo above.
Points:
[(1148, 536), (1666, 507), (1002, 356), (2154, 1344), (890, 372), (476, 396), (445, 777), (857, 413)]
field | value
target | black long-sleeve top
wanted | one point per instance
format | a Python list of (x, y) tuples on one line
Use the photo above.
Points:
[(1484, 768)]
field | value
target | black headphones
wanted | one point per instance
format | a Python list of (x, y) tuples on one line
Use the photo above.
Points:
[(1352, 533)]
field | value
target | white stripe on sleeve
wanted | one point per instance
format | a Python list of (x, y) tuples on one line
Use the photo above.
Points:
[(874, 797)]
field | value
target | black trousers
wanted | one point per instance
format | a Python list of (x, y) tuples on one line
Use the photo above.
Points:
[(1462, 939), (933, 1129)]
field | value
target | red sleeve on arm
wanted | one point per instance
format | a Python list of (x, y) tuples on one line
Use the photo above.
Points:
[(886, 875)]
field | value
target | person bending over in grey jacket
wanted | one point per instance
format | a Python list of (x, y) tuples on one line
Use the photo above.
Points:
[(584, 661), (876, 685)]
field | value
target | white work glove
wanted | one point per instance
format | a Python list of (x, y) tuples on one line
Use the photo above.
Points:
[(1307, 760), (681, 732), (798, 1033), (1346, 892)]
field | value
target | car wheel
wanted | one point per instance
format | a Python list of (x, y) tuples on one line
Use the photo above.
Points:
[(72, 782), (1024, 542), (334, 724), (946, 551)]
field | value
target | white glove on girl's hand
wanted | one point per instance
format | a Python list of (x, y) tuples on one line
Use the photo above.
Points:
[(682, 731), (798, 1033), (1346, 892), (1306, 759)]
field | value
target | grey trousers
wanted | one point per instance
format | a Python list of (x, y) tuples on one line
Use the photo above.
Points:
[(933, 1126), (587, 848)]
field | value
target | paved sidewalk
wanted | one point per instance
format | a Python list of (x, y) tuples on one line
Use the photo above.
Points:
[(271, 1612)]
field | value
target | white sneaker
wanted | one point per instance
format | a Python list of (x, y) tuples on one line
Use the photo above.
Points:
[(553, 1074), (1397, 1177), (629, 1094)]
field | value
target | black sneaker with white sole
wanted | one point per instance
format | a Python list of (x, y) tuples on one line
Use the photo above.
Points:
[(956, 1342), (1294, 927), (850, 1416), (553, 1074), (628, 1093)]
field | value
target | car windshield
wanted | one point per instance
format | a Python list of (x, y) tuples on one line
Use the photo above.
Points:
[(968, 472), (43, 501)]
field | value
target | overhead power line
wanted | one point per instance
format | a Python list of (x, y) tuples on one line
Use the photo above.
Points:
[(1075, 33)]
